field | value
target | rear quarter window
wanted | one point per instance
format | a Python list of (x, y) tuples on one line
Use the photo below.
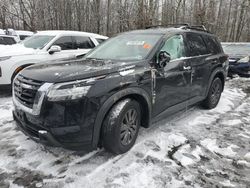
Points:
[(196, 45), (212, 44)]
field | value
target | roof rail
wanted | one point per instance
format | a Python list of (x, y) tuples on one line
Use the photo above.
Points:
[(182, 26), (199, 27), (168, 25)]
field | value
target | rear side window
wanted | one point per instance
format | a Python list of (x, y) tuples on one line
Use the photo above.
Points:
[(196, 45), (212, 44), (66, 43), (83, 42)]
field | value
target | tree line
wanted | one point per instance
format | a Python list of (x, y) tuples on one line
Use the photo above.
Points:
[(229, 19)]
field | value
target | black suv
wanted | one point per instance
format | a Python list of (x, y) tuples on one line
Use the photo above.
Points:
[(127, 82)]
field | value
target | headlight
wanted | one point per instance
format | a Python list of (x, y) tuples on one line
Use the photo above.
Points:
[(68, 91), (5, 58), (244, 60)]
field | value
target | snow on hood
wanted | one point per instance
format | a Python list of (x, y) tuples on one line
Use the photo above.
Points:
[(15, 50)]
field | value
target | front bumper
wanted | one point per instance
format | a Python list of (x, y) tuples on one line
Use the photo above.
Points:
[(35, 132), (58, 125)]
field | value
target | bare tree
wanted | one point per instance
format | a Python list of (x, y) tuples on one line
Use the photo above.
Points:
[(229, 19)]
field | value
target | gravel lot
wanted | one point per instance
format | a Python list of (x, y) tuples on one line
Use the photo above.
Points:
[(194, 148)]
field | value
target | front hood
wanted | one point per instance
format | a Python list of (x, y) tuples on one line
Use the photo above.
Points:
[(74, 70), (15, 50)]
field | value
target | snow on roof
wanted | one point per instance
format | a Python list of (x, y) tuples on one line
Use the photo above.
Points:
[(9, 36), (75, 33), (22, 32)]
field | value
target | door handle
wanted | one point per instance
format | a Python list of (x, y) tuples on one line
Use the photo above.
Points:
[(187, 68)]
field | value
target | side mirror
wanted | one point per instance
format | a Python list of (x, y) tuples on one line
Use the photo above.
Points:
[(54, 49), (163, 58)]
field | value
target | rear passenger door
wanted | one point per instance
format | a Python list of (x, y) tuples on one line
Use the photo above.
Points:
[(199, 59)]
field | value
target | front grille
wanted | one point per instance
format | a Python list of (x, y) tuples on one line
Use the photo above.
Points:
[(25, 90)]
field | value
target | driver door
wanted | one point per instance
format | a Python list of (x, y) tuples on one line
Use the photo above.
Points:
[(172, 81)]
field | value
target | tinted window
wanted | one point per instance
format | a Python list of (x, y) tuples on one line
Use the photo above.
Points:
[(65, 43), (2, 40), (212, 45), (100, 40), (196, 45), (175, 47), (22, 37), (9, 40), (83, 42)]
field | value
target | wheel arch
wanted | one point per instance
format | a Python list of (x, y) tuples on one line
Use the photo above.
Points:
[(137, 94), (220, 73), (18, 69)]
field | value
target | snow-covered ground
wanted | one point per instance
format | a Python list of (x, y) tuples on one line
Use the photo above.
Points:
[(194, 148)]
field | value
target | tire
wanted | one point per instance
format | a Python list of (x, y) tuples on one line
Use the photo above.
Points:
[(121, 126), (214, 94)]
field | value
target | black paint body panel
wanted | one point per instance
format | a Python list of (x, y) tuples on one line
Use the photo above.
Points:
[(77, 123)]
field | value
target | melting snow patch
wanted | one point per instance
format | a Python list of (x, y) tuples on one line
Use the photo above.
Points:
[(227, 183), (247, 157), (212, 146), (5, 113), (177, 139), (243, 135), (232, 122)]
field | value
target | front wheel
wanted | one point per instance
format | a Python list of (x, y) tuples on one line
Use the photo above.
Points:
[(121, 126), (214, 94)]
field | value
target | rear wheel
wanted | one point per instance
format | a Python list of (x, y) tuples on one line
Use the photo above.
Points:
[(121, 126), (214, 94)]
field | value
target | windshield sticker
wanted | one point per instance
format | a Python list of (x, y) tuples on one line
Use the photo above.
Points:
[(147, 46), (135, 43)]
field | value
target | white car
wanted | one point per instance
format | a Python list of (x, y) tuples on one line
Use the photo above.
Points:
[(44, 46)]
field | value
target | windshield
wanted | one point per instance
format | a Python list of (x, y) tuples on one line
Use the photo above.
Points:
[(237, 49), (125, 47), (37, 41)]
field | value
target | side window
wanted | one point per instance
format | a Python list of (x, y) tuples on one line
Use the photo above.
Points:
[(83, 42), (212, 44), (2, 41), (175, 47), (9, 40), (65, 43), (100, 40), (196, 45)]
